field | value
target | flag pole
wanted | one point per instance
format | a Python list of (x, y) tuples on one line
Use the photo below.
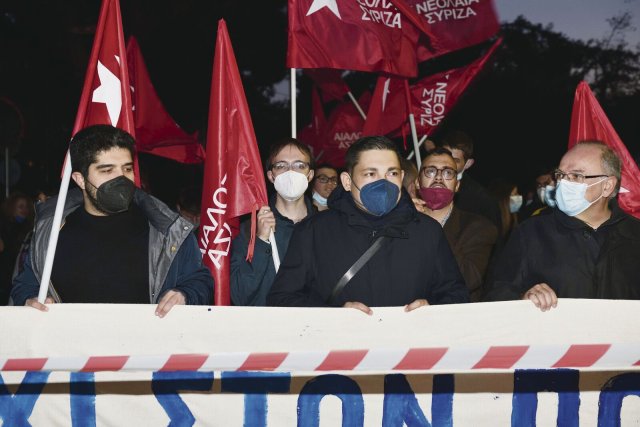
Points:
[(357, 105), (412, 123), (293, 103), (55, 230), (412, 153)]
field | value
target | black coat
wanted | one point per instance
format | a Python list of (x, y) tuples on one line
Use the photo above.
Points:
[(415, 262), (572, 258)]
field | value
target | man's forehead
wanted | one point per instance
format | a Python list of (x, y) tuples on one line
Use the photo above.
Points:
[(115, 155), (326, 172), (378, 159), (438, 160), (290, 153), (580, 158)]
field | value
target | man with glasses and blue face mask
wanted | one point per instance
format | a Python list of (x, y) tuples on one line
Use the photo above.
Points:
[(587, 248), (289, 168), (371, 247)]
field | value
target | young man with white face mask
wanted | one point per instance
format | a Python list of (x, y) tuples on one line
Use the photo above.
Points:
[(413, 267), (587, 248), (290, 168)]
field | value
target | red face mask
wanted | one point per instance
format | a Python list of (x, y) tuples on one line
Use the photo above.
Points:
[(436, 197)]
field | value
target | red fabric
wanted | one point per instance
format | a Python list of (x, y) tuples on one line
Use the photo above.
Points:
[(451, 25), (233, 179), (388, 109), (156, 132), (344, 127), (313, 133), (106, 97), (589, 122), (346, 34), (330, 83)]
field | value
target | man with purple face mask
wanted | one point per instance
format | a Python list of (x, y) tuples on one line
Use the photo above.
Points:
[(587, 248), (411, 266), (471, 236)]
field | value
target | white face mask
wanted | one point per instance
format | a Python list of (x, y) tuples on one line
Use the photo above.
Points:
[(515, 202), (291, 185), (319, 199), (541, 191), (570, 197), (550, 195)]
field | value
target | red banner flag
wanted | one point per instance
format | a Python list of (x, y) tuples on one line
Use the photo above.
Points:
[(329, 81), (233, 179), (351, 35), (589, 122), (388, 109), (313, 134), (156, 132), (106, 97)]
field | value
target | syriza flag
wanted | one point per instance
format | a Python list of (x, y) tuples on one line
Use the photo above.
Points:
[(156, 131), (359, 35), (106, 97), (313, 134), (329, 81), (589, 122), (233, 177), (388, 109)]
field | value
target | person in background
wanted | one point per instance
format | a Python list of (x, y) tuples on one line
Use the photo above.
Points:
[(470, 235), (544, 197), (188, 206), (289, 168), (117, 244), (412, 265), (509, 201), (324, 182), (409, 182), (586, 248), (472, 196), (15, 227)]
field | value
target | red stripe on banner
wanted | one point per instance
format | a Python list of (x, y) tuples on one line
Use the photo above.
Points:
[(263, 361), (421, 358), (25, 364), (582, 355), (637, 363), (184, 362), (501, 357), (104, 363), (343, 360)]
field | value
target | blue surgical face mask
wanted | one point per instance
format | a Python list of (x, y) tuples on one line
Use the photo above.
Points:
[(318, 198), (570, 197), (379, 197), (515, 203), (550, 196)]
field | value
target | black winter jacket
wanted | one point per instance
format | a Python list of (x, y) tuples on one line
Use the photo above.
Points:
[(415, 262), (572, 258)]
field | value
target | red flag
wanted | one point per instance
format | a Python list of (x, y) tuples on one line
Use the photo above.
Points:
[(344, 127), (156, 132), (233, 179), (388, 109), (589, 122), (345, 34), (313, 134), (106, 97), (329, 81)]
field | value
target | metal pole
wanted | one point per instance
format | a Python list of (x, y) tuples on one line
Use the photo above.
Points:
[(413, 153), (293, 103), (414, 135), (357, 105)]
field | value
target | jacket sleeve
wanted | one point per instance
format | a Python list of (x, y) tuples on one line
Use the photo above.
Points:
[(295, 285), (189, 275), (474, 253), (507, 278), (447, 284), (25, 284), (246, 277)]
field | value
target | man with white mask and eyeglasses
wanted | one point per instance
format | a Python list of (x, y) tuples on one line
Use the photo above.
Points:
[(290, 169), (587, 248)]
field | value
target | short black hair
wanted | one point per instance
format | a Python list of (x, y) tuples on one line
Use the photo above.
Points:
[(277, 146), (438, 151), (458, 140), (190, 199), (88, 142), (365, 144)]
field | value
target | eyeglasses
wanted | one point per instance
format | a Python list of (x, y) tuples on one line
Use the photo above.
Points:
[(432, 171), (323, 179), (298, 166), (574, 177)]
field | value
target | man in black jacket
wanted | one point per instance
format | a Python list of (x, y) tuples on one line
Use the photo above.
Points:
[(414, 266), (587, 248)]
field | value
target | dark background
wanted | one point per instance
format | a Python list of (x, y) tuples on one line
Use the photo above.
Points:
[(517, 110)]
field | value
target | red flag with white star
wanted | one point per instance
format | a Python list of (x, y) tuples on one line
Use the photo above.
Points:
[(156, 131), (313, 133), (106, 97), (589, 122), (233, 178)]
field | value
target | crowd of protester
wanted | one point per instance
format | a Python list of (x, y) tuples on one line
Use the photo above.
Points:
[(375, 232)]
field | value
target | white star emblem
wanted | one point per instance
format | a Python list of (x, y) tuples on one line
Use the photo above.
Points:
[(319, 4), (385, 92), (109, 93), (623, 190)]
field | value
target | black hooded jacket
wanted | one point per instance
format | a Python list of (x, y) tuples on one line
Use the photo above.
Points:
[(415, 262)]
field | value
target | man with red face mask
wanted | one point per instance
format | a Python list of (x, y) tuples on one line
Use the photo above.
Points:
[(471, 236)]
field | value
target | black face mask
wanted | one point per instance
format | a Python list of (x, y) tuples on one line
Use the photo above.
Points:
[(113, 196)]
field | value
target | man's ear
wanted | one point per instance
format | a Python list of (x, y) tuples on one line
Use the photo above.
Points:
[(346, 181), (469, 163), (79, 179), (270, 176), (609, 186), (417, 183), (310, 175)]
